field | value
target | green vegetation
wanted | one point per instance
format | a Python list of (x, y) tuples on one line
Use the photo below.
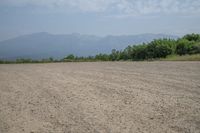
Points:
[(185, 48), (194, 57)]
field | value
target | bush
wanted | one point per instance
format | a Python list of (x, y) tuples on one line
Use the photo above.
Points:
[(183, 47), (139, 52), (159, 48), (195, 49), (192, 37)]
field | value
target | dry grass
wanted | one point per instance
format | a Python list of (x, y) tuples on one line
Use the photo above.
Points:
[(195, 57)]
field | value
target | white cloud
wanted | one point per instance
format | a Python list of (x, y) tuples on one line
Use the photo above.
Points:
[(125, 7)]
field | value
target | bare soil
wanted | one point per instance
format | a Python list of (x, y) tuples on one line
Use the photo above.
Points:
[(100, 97)]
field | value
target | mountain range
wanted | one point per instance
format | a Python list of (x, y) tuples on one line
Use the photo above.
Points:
[(44, 45)]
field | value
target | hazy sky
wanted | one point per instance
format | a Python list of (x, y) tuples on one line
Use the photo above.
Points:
[(98, 17)]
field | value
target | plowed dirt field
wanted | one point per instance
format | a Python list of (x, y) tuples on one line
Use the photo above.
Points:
[(100, 97)]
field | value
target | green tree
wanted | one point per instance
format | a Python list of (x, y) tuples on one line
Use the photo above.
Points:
[(183, 46), (51, 59), (195, 49), (159, 48), (71, 56), (139, 52), (115, 55), (192, 37)]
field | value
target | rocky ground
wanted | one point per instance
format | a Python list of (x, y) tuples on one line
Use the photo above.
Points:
[(100, 97)]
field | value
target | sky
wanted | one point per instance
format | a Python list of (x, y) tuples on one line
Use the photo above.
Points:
[(99, 17)]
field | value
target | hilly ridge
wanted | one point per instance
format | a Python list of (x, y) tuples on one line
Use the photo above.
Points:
[(44, 45)]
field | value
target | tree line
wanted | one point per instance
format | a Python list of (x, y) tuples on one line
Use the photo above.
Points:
[(156, 49)]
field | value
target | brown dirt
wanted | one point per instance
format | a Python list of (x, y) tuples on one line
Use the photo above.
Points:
[(101, 97)]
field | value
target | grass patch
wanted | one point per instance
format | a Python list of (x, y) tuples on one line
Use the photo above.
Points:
[(194, 57)]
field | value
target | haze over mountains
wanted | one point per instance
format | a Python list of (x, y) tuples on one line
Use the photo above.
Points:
[(44, 45)]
